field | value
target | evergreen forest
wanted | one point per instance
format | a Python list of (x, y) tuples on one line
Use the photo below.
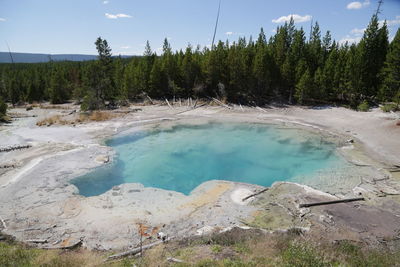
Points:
[(289, 68)]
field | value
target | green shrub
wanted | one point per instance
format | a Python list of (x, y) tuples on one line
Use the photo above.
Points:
[(390, 107), (90, 102), (364, 106)]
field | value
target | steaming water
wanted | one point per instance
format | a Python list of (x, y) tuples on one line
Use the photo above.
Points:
[(183, 157)]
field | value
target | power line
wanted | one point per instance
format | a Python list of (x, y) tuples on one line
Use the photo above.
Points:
[(216, 24), (9, 51)]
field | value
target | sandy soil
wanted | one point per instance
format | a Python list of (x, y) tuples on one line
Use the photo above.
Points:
[(38, 203)]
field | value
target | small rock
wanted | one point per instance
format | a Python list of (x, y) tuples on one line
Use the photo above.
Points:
[(103, 159)]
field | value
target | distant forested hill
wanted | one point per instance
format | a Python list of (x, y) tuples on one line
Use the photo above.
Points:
[(38, 58)]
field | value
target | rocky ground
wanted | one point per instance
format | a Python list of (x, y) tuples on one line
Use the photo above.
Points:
[(40, 206)]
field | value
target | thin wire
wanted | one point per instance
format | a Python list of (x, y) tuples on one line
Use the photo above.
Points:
[(9, 51), (216, 25)]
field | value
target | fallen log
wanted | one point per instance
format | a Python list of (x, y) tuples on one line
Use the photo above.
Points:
[(151, 100), (73, 245), (135, 250), (12, 148), (222, 104), (169, 259), (37, 241), (255, 194), (257, 107), (168, 103), (7, 166), (331, 202)]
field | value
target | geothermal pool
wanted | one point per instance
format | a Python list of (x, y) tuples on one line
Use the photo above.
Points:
[(184, 156)]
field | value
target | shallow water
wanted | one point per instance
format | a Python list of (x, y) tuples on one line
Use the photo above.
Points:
[(185, 156)]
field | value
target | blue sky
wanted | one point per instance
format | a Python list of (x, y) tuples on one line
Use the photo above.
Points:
[(72, 26)]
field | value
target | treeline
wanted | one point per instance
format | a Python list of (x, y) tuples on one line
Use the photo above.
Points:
[(288, 68)]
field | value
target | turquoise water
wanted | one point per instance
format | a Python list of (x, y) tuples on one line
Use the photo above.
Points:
[(183, 157)]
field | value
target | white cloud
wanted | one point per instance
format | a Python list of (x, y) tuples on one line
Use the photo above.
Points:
[(350, 39), (125, 47), (117, 16), (392, 22), (105, 2), (297, 18), (2, 19), (229, 33), (358, 5), (354, 5), (357, 31)]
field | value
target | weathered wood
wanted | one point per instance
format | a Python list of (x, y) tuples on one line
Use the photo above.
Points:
[(241, 107), (3, 223), (168, 103), (195, 103), (257, 107), (12, 148), (7, 166), (36, 241), (151, 100), (76, 244), (135, 250), (331, 202), (222, 104), (255, 194), (169, 259)]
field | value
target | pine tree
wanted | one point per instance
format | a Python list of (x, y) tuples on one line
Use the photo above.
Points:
[(372, 51), (106, 86), (58, 87), (391, 72), (304, 87), (3, 108)]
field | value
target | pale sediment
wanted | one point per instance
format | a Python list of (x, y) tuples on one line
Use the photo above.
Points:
[(38, 202)]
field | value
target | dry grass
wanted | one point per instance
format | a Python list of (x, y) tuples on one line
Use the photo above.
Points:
[(234, 249), (101, 116), (44, 106), (56, 119), (78, 118)]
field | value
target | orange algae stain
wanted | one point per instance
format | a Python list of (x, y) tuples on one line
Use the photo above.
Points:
[(209, 196)]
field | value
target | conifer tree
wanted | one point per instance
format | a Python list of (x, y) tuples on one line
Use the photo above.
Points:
[(391, 71)]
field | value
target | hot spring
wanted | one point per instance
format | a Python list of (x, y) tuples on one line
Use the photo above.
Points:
[(184, 156)]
